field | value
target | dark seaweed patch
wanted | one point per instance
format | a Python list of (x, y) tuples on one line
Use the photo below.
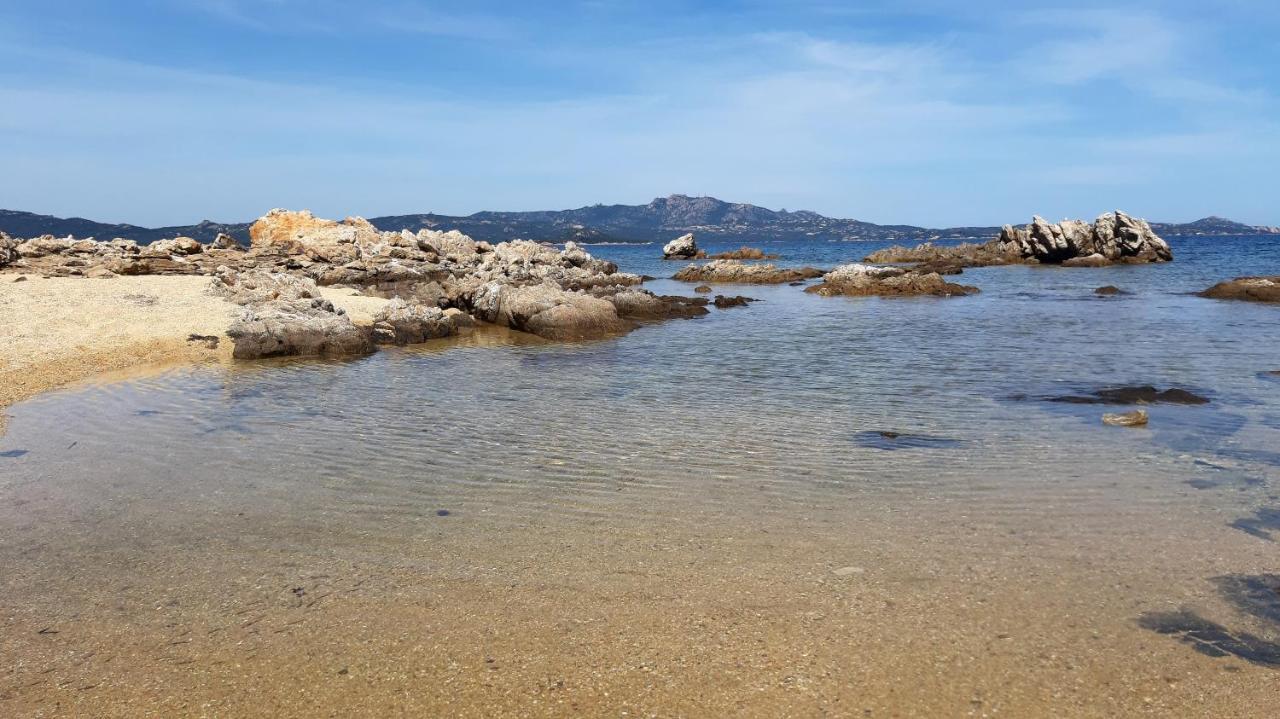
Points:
[(1256, 595), (1142, 394), (887, 440), (13, 453), (1212, 639), (1261, 524)]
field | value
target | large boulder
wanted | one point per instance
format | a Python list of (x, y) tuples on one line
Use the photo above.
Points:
[(733, 271), (858, 280), (180, 246), (225, 242), (8, 249), (1252, 289), (547, 310), (301, 233), (681, 248), (44, 246), (306, 327), (401, 323)]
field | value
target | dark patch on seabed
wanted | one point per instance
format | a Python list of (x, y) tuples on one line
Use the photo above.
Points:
[(13, 453), (1256, 595), (1261, 524), (895, 440)]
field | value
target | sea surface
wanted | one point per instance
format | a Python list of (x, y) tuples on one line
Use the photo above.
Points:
[(805, 505)]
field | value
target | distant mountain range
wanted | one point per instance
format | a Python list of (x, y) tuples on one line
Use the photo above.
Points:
[(658, 221)]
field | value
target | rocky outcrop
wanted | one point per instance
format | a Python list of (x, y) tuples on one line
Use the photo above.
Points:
[(1251, 289), (401, 323), (1136, 418), (180, 246), (733, 271), (681, 248), (8, 249), (547, 310), (642, 305), (858, 280), (306, 327), (743, 253), (723, 302), (251, 287), (225, 242), (1112, 238)]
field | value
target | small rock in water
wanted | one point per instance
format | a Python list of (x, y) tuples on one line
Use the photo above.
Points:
[(1136, 418), (723, 302), (442, 512), (702, 289), (847, 571), (1109, 290)]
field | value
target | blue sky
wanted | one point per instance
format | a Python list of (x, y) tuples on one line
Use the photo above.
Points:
[(935, 113)]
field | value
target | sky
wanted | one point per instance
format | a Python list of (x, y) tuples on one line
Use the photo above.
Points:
[(160, 112)]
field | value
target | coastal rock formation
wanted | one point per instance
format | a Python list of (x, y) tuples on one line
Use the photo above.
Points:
[(723, 302), (8, 249), (306, 327), (401, 323), (253, 287), (733, 271), (1251, 289), (1112, 238), (634, 304), (743, 253), (181, 246), (681, 248), (547, 310), (858, 280), (225, 242)]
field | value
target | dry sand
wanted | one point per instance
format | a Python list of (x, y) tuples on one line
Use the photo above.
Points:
[(63, 329)]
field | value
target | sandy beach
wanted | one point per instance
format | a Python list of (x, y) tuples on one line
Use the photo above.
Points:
[(61, 330)]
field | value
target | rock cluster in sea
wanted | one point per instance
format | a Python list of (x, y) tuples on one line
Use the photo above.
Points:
[(1252, 289), (858, 280), (734, 271), (1113, 238)]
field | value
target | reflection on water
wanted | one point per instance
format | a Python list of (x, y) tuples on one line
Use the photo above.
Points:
[(802, 427)]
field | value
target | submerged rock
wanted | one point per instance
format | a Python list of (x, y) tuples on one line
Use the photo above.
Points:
[(743, 253), (1139, 394), (733, 271), (858, 280), (702, 288), (1251, 289), (681, 248), (644, 305), (1109, 290), (1136, 418), (306, 327), (722, 302)]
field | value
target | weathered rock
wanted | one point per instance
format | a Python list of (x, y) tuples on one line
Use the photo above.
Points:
[(401, 323), (302, 233), (702, 288), (225, 242), (733, 271), (743, 253), (256, 287), (180, 246), (1113, 238), (8, 249), (1109, 290), (45, 245), (1251, 289), (858, 280), (1136, 418), (681, 248), (644, 305), (306, 327), (547, 310), (723, 303)]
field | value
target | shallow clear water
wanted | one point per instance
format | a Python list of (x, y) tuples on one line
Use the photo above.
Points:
[(747, 417)]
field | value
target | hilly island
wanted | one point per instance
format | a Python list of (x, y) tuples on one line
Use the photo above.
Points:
[(656, 221)]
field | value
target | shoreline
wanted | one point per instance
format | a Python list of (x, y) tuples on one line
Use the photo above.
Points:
[(64, 330)]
